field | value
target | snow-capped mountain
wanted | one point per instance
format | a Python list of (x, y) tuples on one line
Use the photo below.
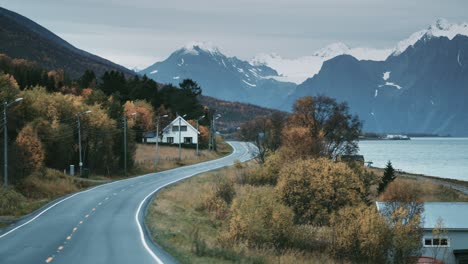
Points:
[(223, 77), (299, 69), (421, 88), (441, 28)]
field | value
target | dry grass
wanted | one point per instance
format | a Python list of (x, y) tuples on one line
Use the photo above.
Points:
[(428, 189), (177, 223), (169, 156)]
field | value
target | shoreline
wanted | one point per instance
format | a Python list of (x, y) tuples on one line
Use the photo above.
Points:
[(459, 185)]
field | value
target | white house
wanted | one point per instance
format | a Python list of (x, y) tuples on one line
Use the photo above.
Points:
[(451, 245), (171, 133)]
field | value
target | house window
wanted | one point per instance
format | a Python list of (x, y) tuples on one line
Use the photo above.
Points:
[(175, 128), (170, 140), (436, 242), (187, 140), (183, 128)]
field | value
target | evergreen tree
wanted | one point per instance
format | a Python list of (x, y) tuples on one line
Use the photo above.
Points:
[(388, 177)]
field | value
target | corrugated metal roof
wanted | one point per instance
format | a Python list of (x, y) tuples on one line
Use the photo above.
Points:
[(453, 214)]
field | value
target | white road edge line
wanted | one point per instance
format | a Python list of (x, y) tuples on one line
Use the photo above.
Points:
[(47, 209), (140, 228), (57, 203)]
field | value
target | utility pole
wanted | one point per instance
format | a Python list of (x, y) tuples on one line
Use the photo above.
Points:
[(157, 141), (5, 140), (198, 132), (5, 146), (180, 138), (213, 131), (79, 139), (125, 143)]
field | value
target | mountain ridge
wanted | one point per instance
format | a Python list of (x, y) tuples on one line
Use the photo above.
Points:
[(23, 38)]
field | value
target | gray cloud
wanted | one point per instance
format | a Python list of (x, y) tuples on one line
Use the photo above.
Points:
[(135, 33)]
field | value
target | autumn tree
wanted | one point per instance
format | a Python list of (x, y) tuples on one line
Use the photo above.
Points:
[(314, 189), (403, 209), (264, 132), (29, 153), (140, 116), (330, 124)]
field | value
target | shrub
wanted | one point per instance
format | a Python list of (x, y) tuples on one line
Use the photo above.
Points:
[(47, 183), (316, 188), (259, 219), (360, 234), (10, 201)]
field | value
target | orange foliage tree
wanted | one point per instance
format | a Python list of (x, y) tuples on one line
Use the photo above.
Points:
[(29, 153)]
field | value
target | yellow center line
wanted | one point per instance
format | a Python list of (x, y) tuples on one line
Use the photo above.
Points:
[(49, 259)]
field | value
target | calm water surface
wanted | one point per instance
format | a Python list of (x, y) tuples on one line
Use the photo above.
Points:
[(441, 157)]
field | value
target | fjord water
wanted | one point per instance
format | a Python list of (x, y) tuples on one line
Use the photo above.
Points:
[(441, 157)]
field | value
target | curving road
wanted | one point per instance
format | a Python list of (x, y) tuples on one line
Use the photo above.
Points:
[(104, 224)]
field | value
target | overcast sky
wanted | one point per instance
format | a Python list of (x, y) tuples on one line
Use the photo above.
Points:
[(137, 33)]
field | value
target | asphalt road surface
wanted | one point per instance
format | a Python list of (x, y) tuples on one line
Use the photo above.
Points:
[(104, 224)]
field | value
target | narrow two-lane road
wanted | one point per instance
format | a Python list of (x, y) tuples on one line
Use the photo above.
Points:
[(104, 224)]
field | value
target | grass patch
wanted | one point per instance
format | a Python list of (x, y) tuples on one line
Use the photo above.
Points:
[(430, 190), (179, 221), (169, 156)]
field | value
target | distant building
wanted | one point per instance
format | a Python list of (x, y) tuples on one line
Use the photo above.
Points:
[(451, 246), (397, 137), (170, 134)]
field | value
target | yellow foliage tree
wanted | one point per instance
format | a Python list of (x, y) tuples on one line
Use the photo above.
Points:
[(316, 188), (360, 234), (9, 88)]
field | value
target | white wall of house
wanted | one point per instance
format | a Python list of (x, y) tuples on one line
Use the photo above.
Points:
[(170, 134)]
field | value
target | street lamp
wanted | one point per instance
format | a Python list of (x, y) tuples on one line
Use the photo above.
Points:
[(180, 138), (79, 138), (5, 137), (198, 154), (157, 140), (213, 131)]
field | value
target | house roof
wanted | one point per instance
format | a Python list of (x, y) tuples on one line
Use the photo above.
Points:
[(453, 214), (182, 122)]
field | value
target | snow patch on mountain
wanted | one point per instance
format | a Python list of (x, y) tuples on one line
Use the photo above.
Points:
[(386, 75), (249, 84), (391, 84), (154, 72), (299, 69), (441, 28), (181, 62)]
